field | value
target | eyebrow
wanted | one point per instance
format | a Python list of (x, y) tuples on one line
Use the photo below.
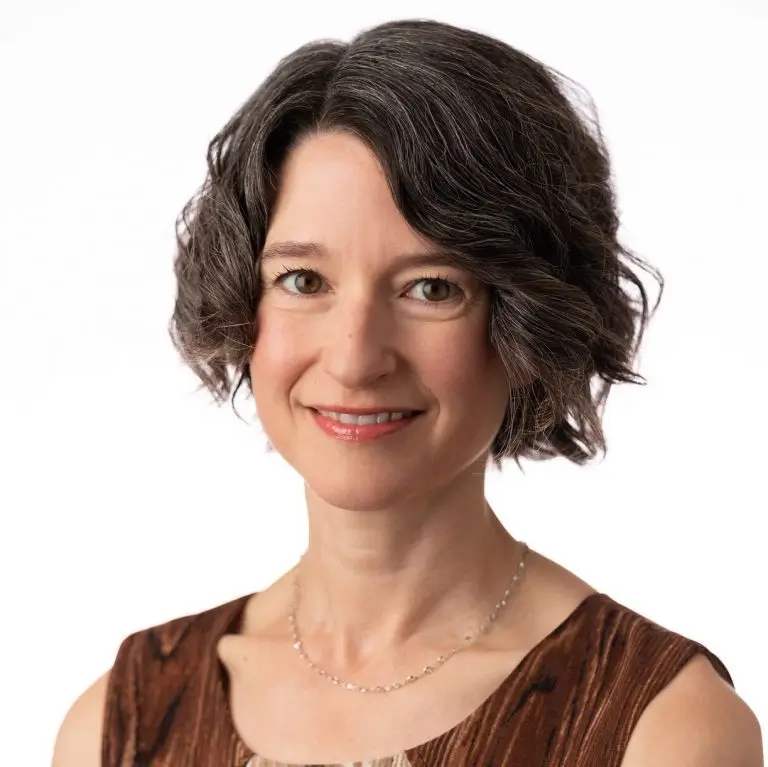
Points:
[(436, 256)]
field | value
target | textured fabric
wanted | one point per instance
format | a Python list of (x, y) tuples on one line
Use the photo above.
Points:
[(572, 702)]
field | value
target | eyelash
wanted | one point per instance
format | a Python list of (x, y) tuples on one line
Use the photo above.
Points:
[(286, 271)]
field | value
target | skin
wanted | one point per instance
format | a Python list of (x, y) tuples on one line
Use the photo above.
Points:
[(403, 549), (384, 554)]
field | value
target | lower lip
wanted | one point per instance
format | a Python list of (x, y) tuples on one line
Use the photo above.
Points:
[(357, 432)]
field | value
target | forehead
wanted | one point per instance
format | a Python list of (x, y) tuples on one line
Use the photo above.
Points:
[(333, 191)]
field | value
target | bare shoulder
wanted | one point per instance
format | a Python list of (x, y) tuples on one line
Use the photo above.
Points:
[(78, 743), (698, 720)]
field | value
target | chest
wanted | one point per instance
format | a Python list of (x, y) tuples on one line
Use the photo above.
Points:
[(285, 712)]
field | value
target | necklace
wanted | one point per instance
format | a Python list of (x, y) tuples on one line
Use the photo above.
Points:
[(429, 669)]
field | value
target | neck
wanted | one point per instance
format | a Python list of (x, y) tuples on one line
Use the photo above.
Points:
[(418, 576)]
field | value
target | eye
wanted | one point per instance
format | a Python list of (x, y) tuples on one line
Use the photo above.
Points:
[(435, 290), (302, 281)]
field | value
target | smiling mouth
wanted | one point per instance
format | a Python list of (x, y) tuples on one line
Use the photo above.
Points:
[(362, 425), (365, 419)]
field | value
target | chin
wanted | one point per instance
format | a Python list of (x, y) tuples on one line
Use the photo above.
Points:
[(382, 474), (359, 488)]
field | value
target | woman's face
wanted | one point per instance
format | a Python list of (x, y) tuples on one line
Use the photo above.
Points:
[(356, 315)]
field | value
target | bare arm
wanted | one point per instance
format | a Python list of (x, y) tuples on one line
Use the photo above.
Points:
[(78, 743), (698, 721)]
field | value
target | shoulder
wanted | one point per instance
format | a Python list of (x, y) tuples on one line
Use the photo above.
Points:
[(658, 698), (150, 668), (78, 743), (167, 644), (697, 720), (154, 665)]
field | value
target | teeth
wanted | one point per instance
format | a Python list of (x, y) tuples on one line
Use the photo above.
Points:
[(364, 419)]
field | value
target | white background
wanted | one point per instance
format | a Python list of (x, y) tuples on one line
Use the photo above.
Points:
[(127, 499)]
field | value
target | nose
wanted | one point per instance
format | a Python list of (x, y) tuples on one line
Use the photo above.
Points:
[(358, 345)]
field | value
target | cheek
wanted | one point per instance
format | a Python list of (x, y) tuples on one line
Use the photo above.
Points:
[(276, 356), (465, 368)]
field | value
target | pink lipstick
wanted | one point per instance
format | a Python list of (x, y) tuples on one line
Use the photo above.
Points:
[(362, 425)]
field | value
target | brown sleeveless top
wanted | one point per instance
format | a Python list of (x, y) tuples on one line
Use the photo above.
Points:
[(572, 702)]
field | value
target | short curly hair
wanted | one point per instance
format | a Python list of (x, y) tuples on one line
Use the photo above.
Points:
[(486, 156)]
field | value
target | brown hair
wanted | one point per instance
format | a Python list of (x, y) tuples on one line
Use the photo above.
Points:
[(485, 155)]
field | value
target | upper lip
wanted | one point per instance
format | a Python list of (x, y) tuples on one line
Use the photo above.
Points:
[(364, 410)]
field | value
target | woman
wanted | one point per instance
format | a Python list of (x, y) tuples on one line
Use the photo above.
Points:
[(406, 247)]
